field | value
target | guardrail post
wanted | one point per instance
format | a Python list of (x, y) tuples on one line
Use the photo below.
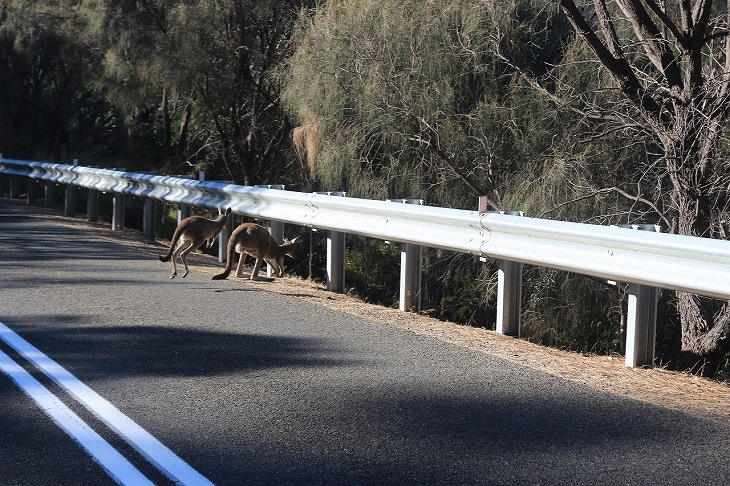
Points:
[(335, 255), (183, 210), (92, 206), (641, 326), (148, 219), (509, 288), (641, 318), (30, 193), (509, 298), (411, 268), (224, 237), (149, 215), (225, 233), (69, 209), (509, 294), (118, 211), (14, 187), (49, 194), (276, 228)]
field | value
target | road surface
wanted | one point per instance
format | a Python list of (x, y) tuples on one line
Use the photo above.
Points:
[(234, 384)]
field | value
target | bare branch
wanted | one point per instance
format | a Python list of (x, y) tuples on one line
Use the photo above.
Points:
[(619, 67), (609, 32), (655, 46), (608, 190), (668, 23)]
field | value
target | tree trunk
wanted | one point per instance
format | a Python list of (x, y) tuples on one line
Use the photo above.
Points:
[(705, 321), (182, 139), (166, 125), (705, 330)]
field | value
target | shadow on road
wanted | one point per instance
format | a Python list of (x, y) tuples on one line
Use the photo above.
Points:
[(139, 350)]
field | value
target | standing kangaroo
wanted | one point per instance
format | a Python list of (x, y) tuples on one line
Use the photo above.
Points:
[(190, 234), (255, 240)]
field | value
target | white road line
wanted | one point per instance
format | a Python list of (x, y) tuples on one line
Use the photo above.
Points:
[(109, 458), (141, 440)]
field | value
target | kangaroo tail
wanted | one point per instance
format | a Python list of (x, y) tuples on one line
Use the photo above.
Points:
[(229, 261), (166, 258), (173, 243)]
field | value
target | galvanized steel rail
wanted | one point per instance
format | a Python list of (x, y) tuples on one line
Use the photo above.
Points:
[(696, 265)]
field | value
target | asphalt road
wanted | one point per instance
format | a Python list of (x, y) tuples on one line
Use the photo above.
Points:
[(248, 386)]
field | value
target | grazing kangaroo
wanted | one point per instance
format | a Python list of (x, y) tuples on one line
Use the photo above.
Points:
[(255, 240), (192, 232)]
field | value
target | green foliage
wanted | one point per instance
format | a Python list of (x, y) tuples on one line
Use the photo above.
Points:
[(373, 270), (406, 97), (171, 85), (571, 311), (460, 288), (423, 99), (48, 109)]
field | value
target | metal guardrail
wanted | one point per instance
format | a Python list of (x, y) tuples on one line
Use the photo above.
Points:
[(695, 265)]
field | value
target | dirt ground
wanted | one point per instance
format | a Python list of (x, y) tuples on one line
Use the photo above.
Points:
[(685, 393)]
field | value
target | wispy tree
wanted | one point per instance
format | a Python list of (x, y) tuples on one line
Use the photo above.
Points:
[(406, 99), (195, 80), (48, 108)]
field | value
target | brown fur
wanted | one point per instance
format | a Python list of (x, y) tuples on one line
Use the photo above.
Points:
[(255, 240), (192, 232)]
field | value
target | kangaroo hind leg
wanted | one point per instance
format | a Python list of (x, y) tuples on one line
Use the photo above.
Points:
[(256, 268), (183, 256), (175, 254), (241, 262)]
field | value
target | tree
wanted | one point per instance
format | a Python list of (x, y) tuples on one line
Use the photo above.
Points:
[(409, 99), (671, 65), (195, 80), (403, 99), (234, 54), (141, 46), (48, 108)]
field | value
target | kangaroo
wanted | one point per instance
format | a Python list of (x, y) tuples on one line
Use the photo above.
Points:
[(192, 232), (255, 240)]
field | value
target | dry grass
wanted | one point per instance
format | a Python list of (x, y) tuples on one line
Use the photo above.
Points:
[(685, 393)]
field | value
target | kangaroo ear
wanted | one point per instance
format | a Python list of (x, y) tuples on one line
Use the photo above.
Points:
[(291, 242)]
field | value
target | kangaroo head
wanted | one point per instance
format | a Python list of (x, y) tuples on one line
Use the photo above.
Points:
[(288, 247), (223, 214)]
